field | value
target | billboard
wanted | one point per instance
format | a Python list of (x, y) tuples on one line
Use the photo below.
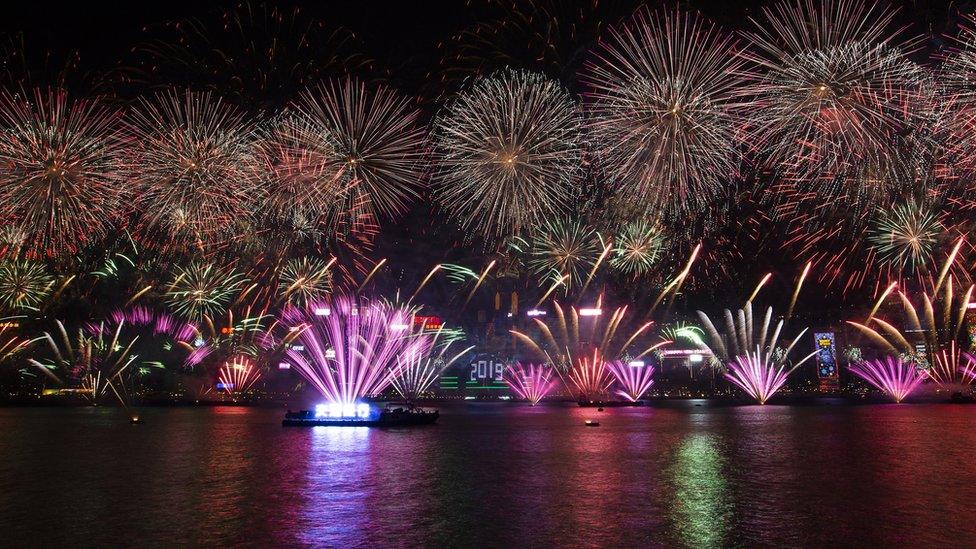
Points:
[(826, 355)]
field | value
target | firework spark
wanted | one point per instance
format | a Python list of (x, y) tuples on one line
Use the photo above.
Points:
[(905, 236), (416, 373), (556, 249), (509, 152), (60, 178), (893, 376), (303, 280)]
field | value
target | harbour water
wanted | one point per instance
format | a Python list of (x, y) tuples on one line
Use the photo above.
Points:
[(494, 475)]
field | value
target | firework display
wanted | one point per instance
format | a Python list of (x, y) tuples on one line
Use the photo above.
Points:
[(232, 178)]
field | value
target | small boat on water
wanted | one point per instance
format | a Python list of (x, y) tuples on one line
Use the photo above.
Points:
[(361, 415)]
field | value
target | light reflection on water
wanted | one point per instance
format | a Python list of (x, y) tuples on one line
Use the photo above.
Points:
[(493, 475)]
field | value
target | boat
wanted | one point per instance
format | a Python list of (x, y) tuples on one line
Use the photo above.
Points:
[(363, 415), (591, 423), (608, 403)]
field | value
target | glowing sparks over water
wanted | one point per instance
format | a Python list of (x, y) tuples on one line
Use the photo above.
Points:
[(759, 376)]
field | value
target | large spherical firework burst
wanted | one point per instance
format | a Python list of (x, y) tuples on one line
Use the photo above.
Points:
[(192, 163), (59, 170), (637, 248), (664, 112), (567, 249), (374, 137), (906, 235), (304, 279), (509, 153), (833, 94), (202, 289), (23, 285)]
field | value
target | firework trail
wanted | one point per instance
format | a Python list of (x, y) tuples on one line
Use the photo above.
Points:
[(24, 285), (740, 336), (416, 373), (759, 375), (202, 289)]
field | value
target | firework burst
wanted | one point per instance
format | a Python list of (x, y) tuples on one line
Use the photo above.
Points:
[(664, 112), (559, 249), (637, 249), (303, 280), (375, 141), (23, 285), (906, 235), (60, 178), (509, 153), (193, 163), (758, 375), (202, 289), (831, 88)]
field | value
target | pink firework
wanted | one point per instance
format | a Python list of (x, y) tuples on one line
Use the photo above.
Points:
[(892, 376), (757, 375), (634, 378), (531, 383), (348, 350), (238, 375)]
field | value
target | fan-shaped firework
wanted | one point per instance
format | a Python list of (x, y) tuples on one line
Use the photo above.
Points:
[(305, 279), (634, 379), (832, 88), (353, 351), (740, 337), (60, 182), (905, 236), (257, 53), (238, 376), (509, 153), (531, 383), (416, 373), (664, 112), (637, 248), (590, 377), (192, 163), (202, 289), (375, 140), (23, 285), (757, 375), (564, 249), (892, 376)]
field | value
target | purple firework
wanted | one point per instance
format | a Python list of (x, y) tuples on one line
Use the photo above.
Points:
[(531, 383), (892, 376), (634, 378)]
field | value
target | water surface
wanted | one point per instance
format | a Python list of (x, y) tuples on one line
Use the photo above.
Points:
[(490, 475)]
